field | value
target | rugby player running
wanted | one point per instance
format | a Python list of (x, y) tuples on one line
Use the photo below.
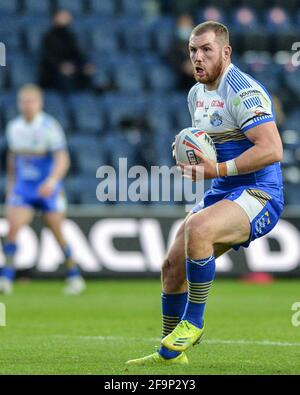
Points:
[(246, 197)]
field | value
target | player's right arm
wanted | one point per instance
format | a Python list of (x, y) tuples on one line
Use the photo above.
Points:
[(192, 102)]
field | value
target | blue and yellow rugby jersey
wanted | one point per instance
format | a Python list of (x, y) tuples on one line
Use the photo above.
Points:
[(33, 144), (226, 114)]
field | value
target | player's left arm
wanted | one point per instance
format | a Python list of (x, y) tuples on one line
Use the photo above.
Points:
[(61, 165), (57, 145), (59, 170), (267, 149), (256, 120)]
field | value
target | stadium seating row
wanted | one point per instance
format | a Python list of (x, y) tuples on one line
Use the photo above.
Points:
[(162, 107), (129, 33), (274, 13), (77, 7), (148, 73)]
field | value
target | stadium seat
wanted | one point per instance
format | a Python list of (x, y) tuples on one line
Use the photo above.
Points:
[(159, 120), (211, 13), (291, 78), (133, 7), (161, 78), (102, 78), (37, 7), (74, 6), (103, 7), (34, 33), (104, 38), (90, 153), (258, 5), (9, 105), (3, 78), (291, 136), (162, 32), (86, 112), (119, 106), (82, 188), (292, 190), (22, 70), (181, 112), (292, 123), (159, 113), (129, 29), (72, 194), (277, 20), (244, 18), (119, 145), (128, 78), (267, 73), (291, 5), (288, 158), (162, 147), (256, 40), (55, 106), (8, 8), (10, 33), (283, 41)]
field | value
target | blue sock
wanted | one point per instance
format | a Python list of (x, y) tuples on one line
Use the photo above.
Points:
[(200, 275), (73, 270), (173, 306), (67, 251), (8, 270)]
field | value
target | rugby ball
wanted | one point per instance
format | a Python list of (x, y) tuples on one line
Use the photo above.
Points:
[(191, 139)]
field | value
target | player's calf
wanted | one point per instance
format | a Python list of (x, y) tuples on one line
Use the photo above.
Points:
[(173, 275)]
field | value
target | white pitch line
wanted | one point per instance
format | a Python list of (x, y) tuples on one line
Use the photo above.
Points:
[(208, 341)]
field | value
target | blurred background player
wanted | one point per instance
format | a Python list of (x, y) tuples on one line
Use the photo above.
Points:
[(36, 165)]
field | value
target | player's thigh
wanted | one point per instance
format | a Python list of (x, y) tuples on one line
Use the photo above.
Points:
[(17, 217), (54, 221), (225, 222), (176, 254)]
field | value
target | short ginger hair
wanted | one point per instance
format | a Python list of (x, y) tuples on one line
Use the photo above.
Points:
[(220, 30)]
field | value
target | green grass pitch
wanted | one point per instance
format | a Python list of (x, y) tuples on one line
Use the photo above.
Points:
[(248, 329)]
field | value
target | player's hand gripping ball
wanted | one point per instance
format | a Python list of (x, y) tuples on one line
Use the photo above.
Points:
[(195, 147)]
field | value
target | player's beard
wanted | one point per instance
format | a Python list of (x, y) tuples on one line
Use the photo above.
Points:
[(213, 75)]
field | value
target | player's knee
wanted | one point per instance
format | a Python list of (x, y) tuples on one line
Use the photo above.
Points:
[(198, 230), (173, 274)]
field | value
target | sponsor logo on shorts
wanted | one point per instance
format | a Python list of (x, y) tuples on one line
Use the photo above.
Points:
[(261, 223)]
